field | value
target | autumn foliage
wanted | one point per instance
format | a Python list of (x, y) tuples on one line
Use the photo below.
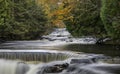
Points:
[(57, 11)]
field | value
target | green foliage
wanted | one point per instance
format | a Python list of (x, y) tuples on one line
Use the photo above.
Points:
[(86, 19), (110, 14), (24, 19), (4, 16), (21, 19)]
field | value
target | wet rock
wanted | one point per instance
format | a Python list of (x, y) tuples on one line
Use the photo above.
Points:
[(103, 40), (59, 36), (72, 67), (96, 58), (56, 68), (81, 61), (69, 40)]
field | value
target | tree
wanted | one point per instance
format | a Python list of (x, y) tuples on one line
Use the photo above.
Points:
[(57, 10), (22, 20), (5, 17), (86, 19), (110, 14)]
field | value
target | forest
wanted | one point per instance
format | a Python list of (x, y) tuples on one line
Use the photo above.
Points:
[(30, 19)]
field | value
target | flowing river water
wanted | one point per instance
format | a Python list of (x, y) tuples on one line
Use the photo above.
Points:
[(59, 53)]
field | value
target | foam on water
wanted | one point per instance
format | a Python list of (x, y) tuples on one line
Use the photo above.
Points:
[(12, 67), (76, 68), (18, 67), (56, 38), (63, 36)]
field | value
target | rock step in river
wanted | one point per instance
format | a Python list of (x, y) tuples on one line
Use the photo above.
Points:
[(53, 62), (71, 66), (74, 64)]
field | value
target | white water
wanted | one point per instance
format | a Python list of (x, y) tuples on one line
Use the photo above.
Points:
[(56, 38), (39, 55), (8, 67), (63, 36), (18, 67), (98, 68), (12, 67), (34, 55)]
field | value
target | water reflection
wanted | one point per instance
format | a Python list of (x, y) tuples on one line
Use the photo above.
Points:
[(109, 50)]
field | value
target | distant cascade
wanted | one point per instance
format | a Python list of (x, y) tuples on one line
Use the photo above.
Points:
[(62, 35)]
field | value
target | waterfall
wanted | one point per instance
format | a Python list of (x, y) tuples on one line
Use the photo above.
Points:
[(81, 63), (36, 55), (13, 67), (17, 59)]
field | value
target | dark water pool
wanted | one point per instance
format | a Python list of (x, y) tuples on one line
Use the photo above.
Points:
[(109, 50)]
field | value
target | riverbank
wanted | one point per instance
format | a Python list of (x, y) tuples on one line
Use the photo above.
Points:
[(108, 41), (113, 42)]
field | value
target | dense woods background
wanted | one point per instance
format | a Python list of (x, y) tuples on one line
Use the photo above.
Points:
[(30, 19), (21, 19)]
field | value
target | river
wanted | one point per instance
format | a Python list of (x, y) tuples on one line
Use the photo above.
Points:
[(59, 53)]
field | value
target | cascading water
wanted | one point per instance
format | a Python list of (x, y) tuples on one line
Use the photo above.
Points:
[(13, 67), (75, 64), (56, 38), (63, 67), (64, 37), (16, 67), (35, 57)]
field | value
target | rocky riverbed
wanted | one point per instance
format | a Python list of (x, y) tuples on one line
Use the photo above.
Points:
[(85, 65), (59, 53)]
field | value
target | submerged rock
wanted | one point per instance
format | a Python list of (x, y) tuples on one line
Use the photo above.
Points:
[(96, 58)]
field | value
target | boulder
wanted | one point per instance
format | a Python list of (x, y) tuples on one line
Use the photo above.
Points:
[(56, 68), (96, 58)]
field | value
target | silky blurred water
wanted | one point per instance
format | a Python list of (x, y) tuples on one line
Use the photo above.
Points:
[(59, 47)]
